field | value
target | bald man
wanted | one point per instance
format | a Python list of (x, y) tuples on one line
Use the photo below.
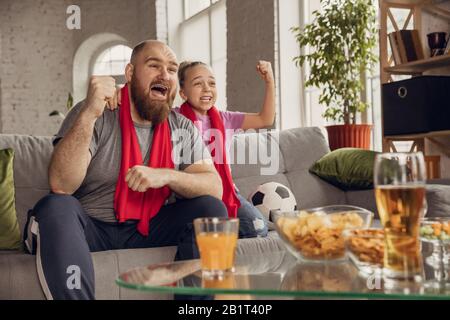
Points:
[(79, 216)]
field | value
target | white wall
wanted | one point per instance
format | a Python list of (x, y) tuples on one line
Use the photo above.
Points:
[(290, 80)]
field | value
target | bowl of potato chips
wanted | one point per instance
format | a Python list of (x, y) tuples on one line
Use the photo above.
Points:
[(365, 248), (316, 234)]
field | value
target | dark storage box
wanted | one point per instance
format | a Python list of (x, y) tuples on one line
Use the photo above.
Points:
[(417, 105)]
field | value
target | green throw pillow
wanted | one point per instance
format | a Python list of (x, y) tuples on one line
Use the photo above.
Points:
[(348, 168), (9, 227)]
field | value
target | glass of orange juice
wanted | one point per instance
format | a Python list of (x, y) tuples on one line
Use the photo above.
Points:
[(216, 240)]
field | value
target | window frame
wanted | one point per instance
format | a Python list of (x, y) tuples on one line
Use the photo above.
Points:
[(184, 21), (206, 11), (120, 78), (186, 17)]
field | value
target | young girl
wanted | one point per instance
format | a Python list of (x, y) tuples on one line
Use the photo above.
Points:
[(198, 89)]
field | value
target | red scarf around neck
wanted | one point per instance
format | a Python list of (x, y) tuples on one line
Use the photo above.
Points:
[(129, 204), (229, 197)]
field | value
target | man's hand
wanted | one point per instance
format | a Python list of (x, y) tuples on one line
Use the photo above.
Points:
[(102, 91), (142, 178), (264, 69)]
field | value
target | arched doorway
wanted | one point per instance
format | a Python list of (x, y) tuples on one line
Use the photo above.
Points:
[(85, 58)]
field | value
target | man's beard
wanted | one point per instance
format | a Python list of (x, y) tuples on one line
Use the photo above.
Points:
[(148, 109)]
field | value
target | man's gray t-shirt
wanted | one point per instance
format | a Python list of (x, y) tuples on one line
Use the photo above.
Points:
[(96, 193)]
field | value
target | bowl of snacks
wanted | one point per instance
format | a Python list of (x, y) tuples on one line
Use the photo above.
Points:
[(436, 231), (316, 234), (365, 248)]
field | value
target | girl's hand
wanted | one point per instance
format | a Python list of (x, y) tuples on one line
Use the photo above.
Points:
[(264, 69), (115, 102)]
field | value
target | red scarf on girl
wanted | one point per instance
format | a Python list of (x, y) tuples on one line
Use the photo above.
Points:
[(229, 197), (129, 204)]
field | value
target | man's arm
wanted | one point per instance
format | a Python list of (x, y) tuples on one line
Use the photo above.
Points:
[(71, 156), (199, 179)]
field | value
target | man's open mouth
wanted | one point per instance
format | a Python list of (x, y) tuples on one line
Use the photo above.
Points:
[(159, 90)]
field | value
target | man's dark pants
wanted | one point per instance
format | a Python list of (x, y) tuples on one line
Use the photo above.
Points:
[(67, 236)]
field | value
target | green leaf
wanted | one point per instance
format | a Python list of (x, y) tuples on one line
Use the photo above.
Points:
[(56, 113), (69, 104)]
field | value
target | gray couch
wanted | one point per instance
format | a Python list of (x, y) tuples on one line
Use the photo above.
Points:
[(298, 149)]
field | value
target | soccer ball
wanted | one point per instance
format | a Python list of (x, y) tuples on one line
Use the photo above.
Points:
[(273, 196)]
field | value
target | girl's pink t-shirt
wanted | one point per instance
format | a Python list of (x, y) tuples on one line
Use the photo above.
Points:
[(232, 121)]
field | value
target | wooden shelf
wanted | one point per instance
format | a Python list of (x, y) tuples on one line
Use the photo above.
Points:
[(419, 141), (415, 9), (430, 6), (420, 66), (409, 137), (415, 2), (438, 11)]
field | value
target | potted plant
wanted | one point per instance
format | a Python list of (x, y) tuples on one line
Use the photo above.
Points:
[(342, 38)]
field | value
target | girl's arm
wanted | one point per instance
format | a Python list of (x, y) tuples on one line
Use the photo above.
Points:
[(266, 116)]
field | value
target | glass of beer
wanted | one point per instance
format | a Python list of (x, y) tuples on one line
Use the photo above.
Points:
[(216, 239), (399, 180)]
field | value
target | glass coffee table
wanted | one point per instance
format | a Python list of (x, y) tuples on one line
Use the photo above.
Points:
[(277, 275)]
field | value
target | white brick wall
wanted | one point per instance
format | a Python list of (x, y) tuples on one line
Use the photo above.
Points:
[(134, 20), (37, 50), (36, 70)]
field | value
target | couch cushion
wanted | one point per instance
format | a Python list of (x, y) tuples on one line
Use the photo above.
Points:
[(301, 147), (18, 277), (9, 228), (255, 154), (310, 191), (438, 200), (31, 158), (26, 198), (364, 199)]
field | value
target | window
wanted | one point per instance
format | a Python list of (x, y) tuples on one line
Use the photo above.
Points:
[(192, 7), (290, 106), (199, 34), (313, 110), (112, 62)]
